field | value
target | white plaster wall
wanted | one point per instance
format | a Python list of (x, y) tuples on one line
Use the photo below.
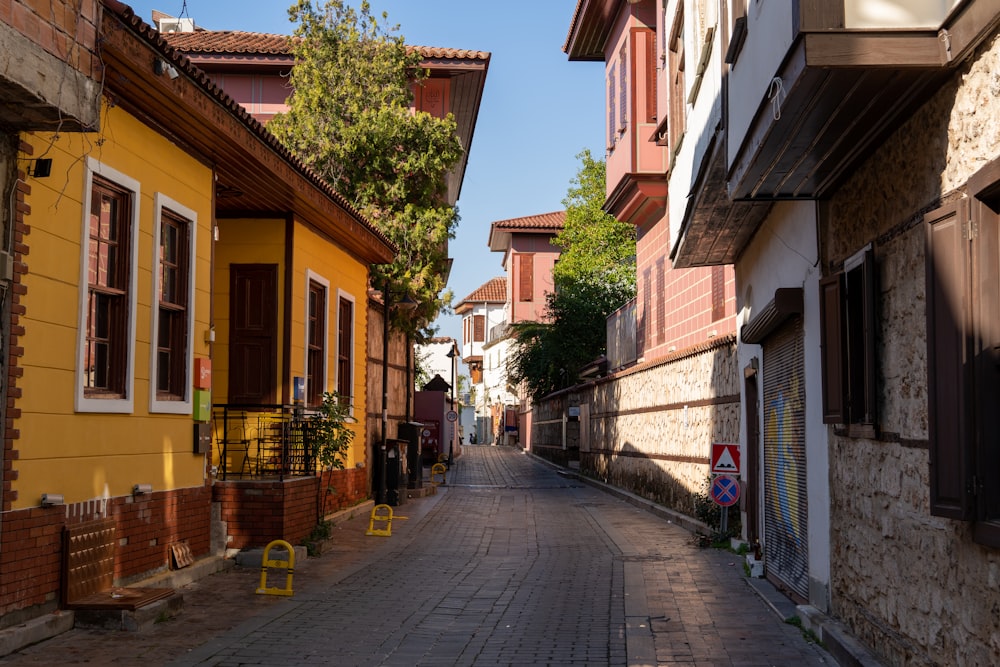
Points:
[(784, 253), (495, 373), (769, 36), (896, 13), (703, 119)]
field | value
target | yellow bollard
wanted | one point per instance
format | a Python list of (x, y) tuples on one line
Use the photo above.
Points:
[(439, 468), (269, 563), (387, 516)]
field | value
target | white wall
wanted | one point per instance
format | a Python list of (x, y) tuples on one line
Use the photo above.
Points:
[(784, 253), (769, 36), (704, 116)]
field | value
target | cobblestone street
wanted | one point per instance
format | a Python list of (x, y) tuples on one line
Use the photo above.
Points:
[(510, 563)]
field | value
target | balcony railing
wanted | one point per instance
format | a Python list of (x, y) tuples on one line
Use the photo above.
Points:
[(263, 441), (621, 337), (497, 331)]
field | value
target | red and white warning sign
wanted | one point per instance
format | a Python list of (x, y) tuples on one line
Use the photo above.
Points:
[(725, 459)]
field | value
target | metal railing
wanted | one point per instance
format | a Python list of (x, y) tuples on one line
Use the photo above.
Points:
[(263, 441)]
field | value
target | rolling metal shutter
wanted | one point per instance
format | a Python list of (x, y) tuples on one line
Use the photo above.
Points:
[(785, 505)]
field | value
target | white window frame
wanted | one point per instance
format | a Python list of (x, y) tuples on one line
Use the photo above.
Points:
[(81, 402), (341, 294), (182, 407), (313, 277)]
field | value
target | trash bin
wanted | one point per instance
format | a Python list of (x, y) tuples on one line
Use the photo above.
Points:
[(395, 450), (410, 432)]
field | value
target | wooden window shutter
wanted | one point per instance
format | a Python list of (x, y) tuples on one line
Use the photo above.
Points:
[(651, 76), (479, 328), (718, 293), (612, 129), (526, 273), (622, 88), (831, 350), (947, 358), (870, 299), (986, 247)]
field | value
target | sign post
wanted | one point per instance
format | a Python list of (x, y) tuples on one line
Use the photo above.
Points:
[(725, 490)]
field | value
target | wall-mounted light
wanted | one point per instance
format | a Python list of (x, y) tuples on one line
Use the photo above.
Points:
[(40, 167), (52, 499), (142, 489), (161, 66)]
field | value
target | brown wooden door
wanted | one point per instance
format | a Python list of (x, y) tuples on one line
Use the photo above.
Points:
[(253, 333)]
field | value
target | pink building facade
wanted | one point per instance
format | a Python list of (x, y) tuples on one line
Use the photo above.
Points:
[(675, 309), (528, 258)]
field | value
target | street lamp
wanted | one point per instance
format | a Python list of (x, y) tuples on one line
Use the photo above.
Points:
[(452, 354)]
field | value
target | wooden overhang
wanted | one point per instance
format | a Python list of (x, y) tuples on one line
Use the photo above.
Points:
[(467, 72), (590, 28), (843, 92), (256, 175), (228, 50), (787, 302), (715, 229), (639, 198)]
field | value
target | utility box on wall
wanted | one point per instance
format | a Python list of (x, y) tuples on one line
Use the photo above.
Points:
[(202, 438)]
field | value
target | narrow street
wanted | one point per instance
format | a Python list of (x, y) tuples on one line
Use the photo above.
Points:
[(510, 563)]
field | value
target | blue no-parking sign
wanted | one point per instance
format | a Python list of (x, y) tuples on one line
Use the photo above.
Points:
[(725, 490)]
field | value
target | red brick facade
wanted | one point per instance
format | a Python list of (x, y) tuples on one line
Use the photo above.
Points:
[(258, 512), (146, 526), (67, 29), (675, 308)]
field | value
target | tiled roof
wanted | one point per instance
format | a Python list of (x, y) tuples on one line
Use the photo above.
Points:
[(173, 56), (492, 291), (228, 41), (238, 41), (547, 221)]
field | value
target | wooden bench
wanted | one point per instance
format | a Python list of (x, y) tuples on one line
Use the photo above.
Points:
[(89, 568)]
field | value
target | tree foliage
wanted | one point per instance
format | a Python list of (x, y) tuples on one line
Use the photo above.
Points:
[(596, 247), (594, 276), (350, 120)]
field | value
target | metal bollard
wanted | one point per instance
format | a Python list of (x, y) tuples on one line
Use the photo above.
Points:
[(266, 563), (436, 469), (385, 516)]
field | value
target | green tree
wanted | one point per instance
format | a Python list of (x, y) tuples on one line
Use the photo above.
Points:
[(594, 276), (596, 247), (349, 118)]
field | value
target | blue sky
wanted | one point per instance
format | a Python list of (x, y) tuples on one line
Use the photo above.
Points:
[(539, 111)]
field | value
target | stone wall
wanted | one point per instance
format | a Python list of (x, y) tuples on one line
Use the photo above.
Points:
[(913, 587), (651, 428)]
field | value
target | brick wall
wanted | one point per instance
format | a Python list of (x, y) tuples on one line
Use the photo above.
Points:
[(146, 526), (256, 513), (674, 307), (66, 29), (30, 552)]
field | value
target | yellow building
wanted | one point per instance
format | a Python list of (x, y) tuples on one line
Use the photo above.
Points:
[(175, 259)]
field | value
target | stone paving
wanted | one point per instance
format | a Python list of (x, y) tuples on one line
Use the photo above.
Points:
[(510, 563)]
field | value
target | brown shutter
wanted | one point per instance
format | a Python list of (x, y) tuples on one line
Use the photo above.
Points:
[(947, 356), (651, 75), (479, 326), (987, 366), (718, 293), (526, 283), (831, 350), (870, 296)]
